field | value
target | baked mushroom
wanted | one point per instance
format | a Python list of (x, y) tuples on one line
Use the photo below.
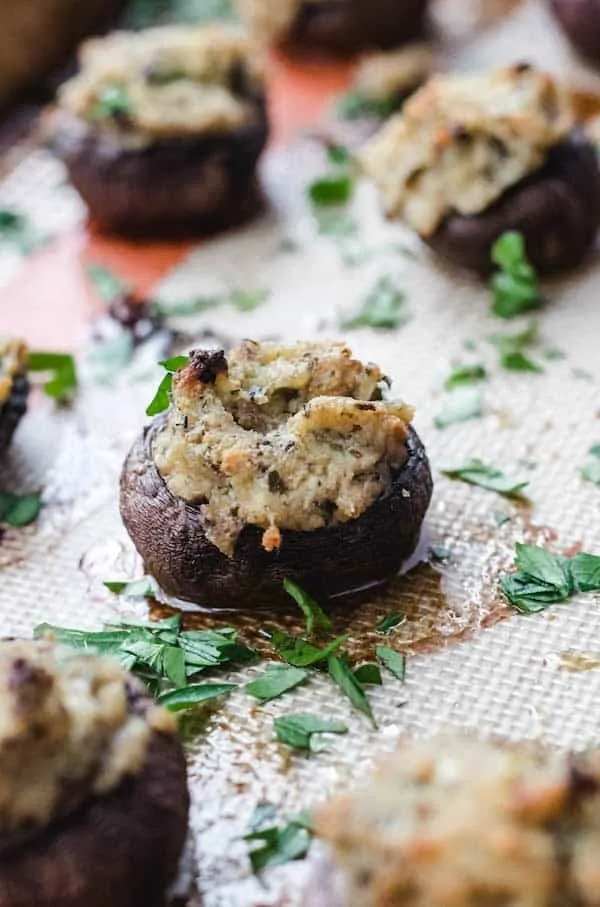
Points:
[(473, 156), (93, 793), (14, 388), (383, 82), (275, 461), (161, 130), (338, 27), (457, 822), (580, 21)]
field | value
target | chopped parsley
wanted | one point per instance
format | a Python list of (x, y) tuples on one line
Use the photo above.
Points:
[(356, 105), (591, 471), (394, 661), (368, 674), (193, 695), (389, 622), (341, 672), (384, 307), (279, 843), (163, 655), (335, 189), (512, 349), (314, 614), (299, 652), (543, 578), (276, 680), (61, 367), (162, 398), (17, 230), (18, 510), (465, 374), (475, 472), (137, 588), (114, 102), (297, 730), (247, 300), (515, 285), (462, 403)]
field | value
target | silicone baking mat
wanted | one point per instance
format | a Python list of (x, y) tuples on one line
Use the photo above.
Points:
[(467, 667)]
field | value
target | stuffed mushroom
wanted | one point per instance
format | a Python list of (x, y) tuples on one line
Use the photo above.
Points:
[(93, 792), (473, 156), (338, 27), (271, 462), (161, 130), (14, 388), (456, 822), (580, 21)]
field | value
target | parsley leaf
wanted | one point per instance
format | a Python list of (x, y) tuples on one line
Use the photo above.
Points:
[(368, 673), (314, 614), (384, 307), (339, 154), (19, 510), (465, 374), (475, 472), (296, 730), (61, 366), (394, 661), (279, 845), (591, 471), (277, 680), (355, 105), (389, 622), (334, 189), (460, 404), (544, 578), (160, 401), (137, 588), (197, 693), (512, 349), (341, 673), (515, 286), (299, 652), (18, 231), (114, 102)]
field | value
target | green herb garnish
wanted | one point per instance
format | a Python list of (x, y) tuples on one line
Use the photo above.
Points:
[(114, 102), (544, 578), (277, 680), (280, 844), (394, 661), (341, 672), (17, 230), (247, 300), (314, 614), (339, 155), (63, 383), (460, 404), (193, 695), (389, 622), (384, 307), (368, 674), (18, 510), (475, 472), (299, 652), (355, 105), (137, 588), (160, 401), (297, 730), (465, 374), (512, 349), (515, 286), (591, 471), (331, 190)]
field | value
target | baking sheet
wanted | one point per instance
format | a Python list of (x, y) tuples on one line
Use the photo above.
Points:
[(468, 667)]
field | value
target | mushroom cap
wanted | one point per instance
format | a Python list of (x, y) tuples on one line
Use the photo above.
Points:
[(13, 409), (121, 849), (557, 209), (339, 559)]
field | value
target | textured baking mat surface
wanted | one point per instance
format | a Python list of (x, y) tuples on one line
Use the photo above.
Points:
[(467, 667)]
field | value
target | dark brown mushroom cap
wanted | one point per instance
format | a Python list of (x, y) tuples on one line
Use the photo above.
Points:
[(13, 409), (580, 20), (174, 186), (329, 562), (119, 850), (557, 209), (347, 26)]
